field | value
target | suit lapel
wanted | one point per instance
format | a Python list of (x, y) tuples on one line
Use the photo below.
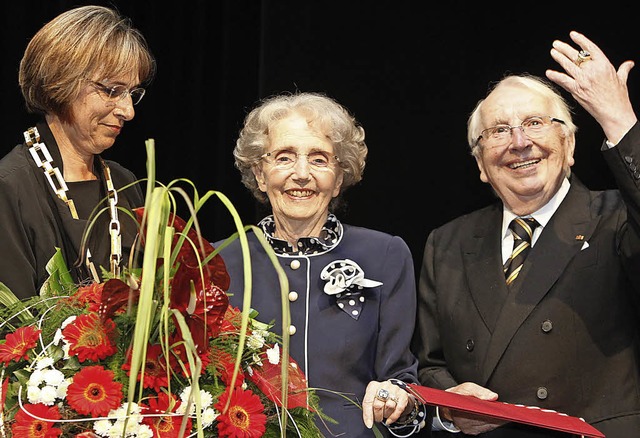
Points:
[(483, 266), (561, 239)]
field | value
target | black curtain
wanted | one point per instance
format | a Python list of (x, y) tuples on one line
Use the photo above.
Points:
[(410, 76)]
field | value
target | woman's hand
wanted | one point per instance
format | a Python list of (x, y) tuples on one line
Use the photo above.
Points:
[(384, 401)]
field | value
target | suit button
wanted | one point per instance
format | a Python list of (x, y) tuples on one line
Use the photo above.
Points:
[(542, 393), (292, 330), (470, 345), (293, 295), (295, 264), (547, 326)]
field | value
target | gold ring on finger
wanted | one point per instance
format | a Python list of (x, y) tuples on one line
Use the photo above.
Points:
[(583, 56)]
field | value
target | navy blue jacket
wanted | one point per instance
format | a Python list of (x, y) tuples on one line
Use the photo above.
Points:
[(336, 351)]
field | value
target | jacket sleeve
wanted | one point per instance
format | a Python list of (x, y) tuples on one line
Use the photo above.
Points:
[(394, 358)]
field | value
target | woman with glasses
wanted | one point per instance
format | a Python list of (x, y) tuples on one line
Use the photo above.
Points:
[(82, 73), (351, 291)]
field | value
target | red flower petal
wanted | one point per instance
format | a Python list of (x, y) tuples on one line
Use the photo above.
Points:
[(94, 391), (26, 426), (90, 338), (18, 343), (244, 418)]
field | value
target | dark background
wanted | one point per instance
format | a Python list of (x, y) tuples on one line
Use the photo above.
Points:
[(410, 72)]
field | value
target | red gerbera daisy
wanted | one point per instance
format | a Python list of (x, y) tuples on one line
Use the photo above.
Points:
[(18, 343), (169, 426), (245, 417), (154, 370), (94, 392), (26, 426), (90, 338), (88, 295)]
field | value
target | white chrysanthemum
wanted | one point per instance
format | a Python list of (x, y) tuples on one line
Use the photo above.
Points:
[(273, 354), (244, 385), (209, 415), (33, 394), (206, 399), (115, 430), (181, 409), (36, 378), (131, 428), (144, 431), (184, 398), (134, 409), (119, 413), (256, 340), (53, 377), (184, 395), (62, 388), (102, 427), (48, 395), (44, 362)]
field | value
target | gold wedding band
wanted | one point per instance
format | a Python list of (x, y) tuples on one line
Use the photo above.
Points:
[(394, 399), (382, 395), (583, 56)]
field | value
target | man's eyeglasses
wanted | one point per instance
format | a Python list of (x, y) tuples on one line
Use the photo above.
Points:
[(286, 159), (533, 127), (116, 93)]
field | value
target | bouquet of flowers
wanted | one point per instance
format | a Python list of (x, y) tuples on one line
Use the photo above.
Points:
[(155, 351)]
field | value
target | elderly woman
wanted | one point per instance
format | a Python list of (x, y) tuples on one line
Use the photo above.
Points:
[(352, 290), (82, 72)]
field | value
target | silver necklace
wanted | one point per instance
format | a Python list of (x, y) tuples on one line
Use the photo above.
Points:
[(43, 159)]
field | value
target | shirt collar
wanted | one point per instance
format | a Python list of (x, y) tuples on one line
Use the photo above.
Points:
[(329, 237), (544, 214)]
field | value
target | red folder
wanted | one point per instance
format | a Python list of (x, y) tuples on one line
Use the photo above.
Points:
[(531, 415)]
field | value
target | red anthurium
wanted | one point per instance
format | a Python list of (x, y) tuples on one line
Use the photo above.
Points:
[(217, 271), (116, 294), (203, 309)]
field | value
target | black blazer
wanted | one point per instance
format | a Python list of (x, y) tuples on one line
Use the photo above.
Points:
[(566, 337), (34, 222)]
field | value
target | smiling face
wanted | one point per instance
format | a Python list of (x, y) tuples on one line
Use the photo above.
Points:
[(299, 194), (525, 173)]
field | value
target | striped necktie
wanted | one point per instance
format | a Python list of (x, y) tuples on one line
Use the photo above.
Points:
[(522, 230)]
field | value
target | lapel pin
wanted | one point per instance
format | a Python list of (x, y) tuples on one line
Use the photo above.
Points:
[(579, 237)]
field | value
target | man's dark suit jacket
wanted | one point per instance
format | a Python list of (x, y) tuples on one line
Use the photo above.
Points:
[(566, 337)]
